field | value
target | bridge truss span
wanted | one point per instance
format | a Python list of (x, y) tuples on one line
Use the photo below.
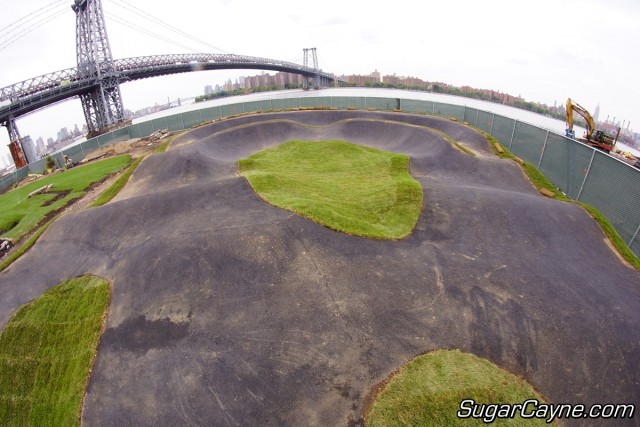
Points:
[(38, 92), (149, 66), (40, 84)]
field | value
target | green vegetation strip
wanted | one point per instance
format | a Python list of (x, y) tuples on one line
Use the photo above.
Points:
[(428, 391), (540, 182), (620, 245), (46, 352), (535, 176), (162, 147), (19, 214), (346, 187), (115, 188), (26, 246), (165, 144), (454, 142)]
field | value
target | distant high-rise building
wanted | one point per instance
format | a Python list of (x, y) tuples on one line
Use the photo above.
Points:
[(208, 90), (50, 142), (63, 134), (40, 146), (218, 88), (29, 149), (596, 113)]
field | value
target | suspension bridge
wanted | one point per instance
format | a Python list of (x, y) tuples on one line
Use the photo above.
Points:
[(97, 77)]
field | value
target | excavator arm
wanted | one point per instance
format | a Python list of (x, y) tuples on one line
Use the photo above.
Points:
[(594, 137), (570, 108)]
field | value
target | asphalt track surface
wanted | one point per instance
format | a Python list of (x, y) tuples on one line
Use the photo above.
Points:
[(228, 311)]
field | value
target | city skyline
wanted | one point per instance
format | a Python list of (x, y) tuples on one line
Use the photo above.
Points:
[(511, 48), (247, 82)]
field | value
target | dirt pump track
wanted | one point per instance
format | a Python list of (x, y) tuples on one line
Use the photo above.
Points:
[(228, 311)]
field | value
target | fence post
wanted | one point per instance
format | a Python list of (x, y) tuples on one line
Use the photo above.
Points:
[(593, 154), (543, 148), (513, 132), (477, 116), (493, 119), (634, 236)]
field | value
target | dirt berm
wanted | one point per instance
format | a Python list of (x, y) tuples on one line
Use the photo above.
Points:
[(228, 311)]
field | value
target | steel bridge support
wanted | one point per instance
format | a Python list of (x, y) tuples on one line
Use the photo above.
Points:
[(314, 58), (102, 106), (15, 147), (12, 128)]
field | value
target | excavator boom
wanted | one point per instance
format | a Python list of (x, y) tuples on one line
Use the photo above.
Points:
[(574, 106), (594, 137)]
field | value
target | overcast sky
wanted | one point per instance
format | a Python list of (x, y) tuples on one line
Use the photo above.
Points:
[(544, 50)]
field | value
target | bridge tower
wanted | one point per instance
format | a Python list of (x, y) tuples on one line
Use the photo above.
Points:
[(12, 128), (314, 57), (103, 105)]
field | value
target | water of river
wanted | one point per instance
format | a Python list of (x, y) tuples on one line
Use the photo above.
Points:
[(554, 125)]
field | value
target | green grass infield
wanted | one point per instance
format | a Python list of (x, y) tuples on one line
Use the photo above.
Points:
[(350, 188), (19, 213)]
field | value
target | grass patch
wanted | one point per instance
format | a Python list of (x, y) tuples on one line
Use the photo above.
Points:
[(115, 188), (46, 352), (540, 181), (429, 389), (346, 187), (19, 214), (162, 147)]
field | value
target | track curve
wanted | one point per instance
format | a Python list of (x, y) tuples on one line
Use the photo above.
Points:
[(226, 310)]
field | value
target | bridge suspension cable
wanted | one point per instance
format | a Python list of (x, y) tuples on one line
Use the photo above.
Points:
[(12, 33), (136, 10), (135, 27), (37, 12)]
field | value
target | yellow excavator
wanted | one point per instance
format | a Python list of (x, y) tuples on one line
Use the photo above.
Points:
[(594, 137)]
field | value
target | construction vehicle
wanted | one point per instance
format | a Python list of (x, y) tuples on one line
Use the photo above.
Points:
[(594, 137)]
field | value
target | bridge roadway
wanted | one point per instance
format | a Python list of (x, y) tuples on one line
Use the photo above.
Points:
[(38, 92)]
